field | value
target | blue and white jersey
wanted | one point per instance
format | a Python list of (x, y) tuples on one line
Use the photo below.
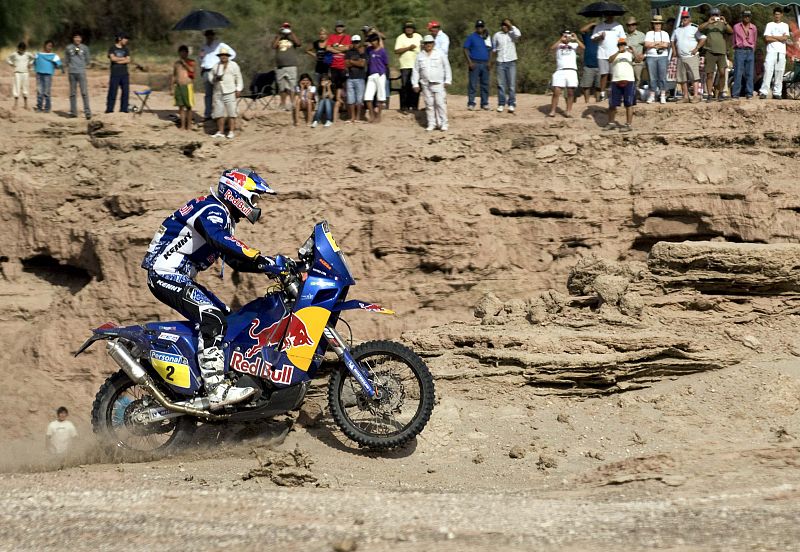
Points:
[(194, 237)]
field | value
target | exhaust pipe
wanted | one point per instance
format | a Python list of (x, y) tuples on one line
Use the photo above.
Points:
[(139, 376)]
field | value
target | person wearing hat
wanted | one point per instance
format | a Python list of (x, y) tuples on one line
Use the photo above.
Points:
[(686, 43), (77, 59), (285, 44), (716, 52), (442, 41), (635, 39), (377, 77), (406, 48), (606, 34), (432, 75), (356, 62), (776, 34), (566, 74), (477, 49), (745, 35), (623, 86), (505, 51), (226, 78), (207, 54), (657, 45)]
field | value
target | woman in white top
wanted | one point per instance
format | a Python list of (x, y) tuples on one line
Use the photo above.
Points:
[(657, 45), (566, 75)]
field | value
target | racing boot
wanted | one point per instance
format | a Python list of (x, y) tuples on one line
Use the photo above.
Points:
[(220, 391)]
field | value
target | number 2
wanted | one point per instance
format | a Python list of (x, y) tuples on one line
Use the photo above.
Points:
[(170, 371)]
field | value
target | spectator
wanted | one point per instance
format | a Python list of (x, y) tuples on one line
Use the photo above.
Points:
[(686, 43), (356, 63), (635, 40), (716, 47), (227, 80), (45, 64), (324, 103), (183, 87), (442, 40), (320, 53), (504, 47), (284, 45), (304, 97), (406, 47), (744, 46), (432, 75), (60, 435), (590, 79), (338, 43), (657, 43), (21, 61), (623, 86), (120, 57), (377, 69), (209, 57), (607, 35), (566, 75), (776, 35), (477, 48), (77, 60)]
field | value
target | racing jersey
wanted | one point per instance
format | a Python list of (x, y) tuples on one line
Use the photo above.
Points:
[(194, 237)]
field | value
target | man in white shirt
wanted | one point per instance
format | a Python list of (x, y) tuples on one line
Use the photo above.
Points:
[(441, 40), (209, 57), (60, 434), (227, 83), (432, 74), (687, 41), (606, 34), (505, 51), (776, 34), (566, 75)]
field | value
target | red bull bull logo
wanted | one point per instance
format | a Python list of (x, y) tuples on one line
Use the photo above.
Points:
[(296, 334), (266, 337)]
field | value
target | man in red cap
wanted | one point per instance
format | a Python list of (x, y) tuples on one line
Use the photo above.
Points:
[(441, 40), (687, 40)]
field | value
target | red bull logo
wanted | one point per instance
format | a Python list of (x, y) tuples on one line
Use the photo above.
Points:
[(267, 337), (296, 334)]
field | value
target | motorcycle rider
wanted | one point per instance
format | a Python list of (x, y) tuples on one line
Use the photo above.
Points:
[(191, 240)]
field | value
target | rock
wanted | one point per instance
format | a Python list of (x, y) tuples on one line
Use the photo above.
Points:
[(546, 462), (563, 418), (345, 545), (488, 305), (310, 415), (582, 276), (569, 148), (544, 152), (631, 304), (610, 288), (478, 459), (516, 452)]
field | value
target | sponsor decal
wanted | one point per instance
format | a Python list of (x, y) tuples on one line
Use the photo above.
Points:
[(256, 367), (332, 241), (180, 243), (238, 177), (168, 337), (237, 202), (216, 219), (246, 249), (324, 263), (198, 297), (174, 369), (170, 287), (186, 209), (317, 271), (265, 336), (372, 307), (296, 334), (303, 334), (281, 375)]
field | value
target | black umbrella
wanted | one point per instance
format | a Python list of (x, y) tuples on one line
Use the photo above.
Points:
[(600, 9), (200, 20)]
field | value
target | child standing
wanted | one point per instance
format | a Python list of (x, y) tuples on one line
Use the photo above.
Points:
[(45, 64), (60, 435), (183, 86), (21, 61), (325, 103)]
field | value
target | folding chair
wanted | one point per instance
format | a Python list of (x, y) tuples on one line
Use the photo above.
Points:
[(143, 96), (262, 91)]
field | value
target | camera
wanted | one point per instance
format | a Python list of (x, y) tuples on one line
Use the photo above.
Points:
[(717, 18), (659, 51)]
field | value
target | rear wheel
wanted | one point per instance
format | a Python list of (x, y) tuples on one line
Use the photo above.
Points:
[(114, 421), (406, 396)]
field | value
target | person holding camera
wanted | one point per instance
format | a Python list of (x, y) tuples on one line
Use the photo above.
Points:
[(505, 49), (284, 45), (566, 75), (226, 78), (657, 45), (716, 58), (623, 86), (77, 59), (606, 35)]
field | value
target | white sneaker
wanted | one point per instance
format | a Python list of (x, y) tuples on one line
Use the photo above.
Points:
[(471, 107), (651, 97), (218, 135), (444, 128), (663, 98), (231, 134), (429, 129), (500, 108), (327, 124), (314, 124), (511, 109)]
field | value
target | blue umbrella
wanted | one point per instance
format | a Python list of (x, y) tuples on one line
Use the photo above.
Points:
[(200, 20)]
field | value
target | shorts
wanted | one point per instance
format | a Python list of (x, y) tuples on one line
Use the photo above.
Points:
[(184, 95), (565, 78), (224, 105), (376, 85), (355, 91), (689, 69), (338, 78), (603, 66), (717, 62), (590, 78), (286, 78), (623, 95)]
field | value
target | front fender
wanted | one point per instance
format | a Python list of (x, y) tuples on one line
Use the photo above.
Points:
[(353, 304)]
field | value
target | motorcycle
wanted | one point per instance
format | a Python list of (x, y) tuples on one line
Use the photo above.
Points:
[(380, 393)]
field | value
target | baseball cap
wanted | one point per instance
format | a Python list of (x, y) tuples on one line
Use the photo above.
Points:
[(408, 24), (622, 41), (355, 38), (746, 12), (685, 13), (285, 25), (433, 24), (339, 23), (428, 38), (365, 28), (714, 11), (372, 37), (480, 23)]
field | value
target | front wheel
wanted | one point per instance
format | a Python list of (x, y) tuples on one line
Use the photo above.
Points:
[(406, 396)]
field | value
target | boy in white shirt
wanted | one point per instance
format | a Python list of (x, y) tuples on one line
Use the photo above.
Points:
[(60, 434), (776, 34), (21, 61), (566, 75)]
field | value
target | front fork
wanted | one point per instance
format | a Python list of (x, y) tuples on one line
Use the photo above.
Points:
[(337, 344)]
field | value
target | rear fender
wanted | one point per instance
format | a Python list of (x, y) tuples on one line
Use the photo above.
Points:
[(353, 304), (109, 330)]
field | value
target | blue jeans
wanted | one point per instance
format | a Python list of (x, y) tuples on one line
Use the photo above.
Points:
[(324, 110), (355, 91), (118, 81), (208, 88), (43, 84), (507, 82), (75, 80), (744, 60), (657, 67), (479, 73)]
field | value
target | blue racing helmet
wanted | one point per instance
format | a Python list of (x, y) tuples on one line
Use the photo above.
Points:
[(239, 190)]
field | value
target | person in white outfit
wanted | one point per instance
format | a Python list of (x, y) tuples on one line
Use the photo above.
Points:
[(606, 34), (776, 35), (21, 61), (226, 77), (432, 74), (60, 435), (566, 75)]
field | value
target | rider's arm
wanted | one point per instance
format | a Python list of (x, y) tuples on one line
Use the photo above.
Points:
[(211, 226)]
